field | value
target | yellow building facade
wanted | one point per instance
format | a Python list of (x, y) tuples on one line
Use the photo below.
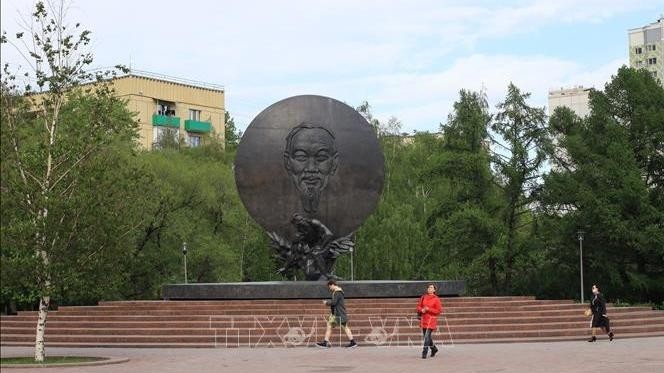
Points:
[(187, 112)]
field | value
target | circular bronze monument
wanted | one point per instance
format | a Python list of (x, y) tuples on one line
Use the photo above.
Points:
[(309, 157)]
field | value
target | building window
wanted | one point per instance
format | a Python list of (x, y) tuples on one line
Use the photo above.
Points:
[(639, 63), (195, 115), (165, 137), (165, 108), (638, 50), (194, 141), (652, 61), (651, 47)]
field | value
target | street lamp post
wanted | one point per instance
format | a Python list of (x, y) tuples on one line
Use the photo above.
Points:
[(580, 237), (352, 269), (184, 253)]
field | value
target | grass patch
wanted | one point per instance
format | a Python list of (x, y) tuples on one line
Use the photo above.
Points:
[(50, 360)]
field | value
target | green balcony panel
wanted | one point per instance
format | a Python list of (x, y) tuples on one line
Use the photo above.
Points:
[(197, 126), (166, 121)]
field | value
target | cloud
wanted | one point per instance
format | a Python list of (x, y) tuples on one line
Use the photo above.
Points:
[(423, 100), (267, 40), (408, 59)]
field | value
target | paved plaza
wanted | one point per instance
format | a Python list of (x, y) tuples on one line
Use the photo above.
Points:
[(641, 355)]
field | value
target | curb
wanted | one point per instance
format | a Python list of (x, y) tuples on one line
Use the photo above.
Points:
[(104, 361)]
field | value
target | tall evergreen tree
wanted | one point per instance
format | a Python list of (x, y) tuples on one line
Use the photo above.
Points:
[(611, 188), (519, 153), (463, 222)]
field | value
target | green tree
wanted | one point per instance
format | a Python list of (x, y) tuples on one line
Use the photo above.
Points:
[(51, 148), (463, 223), (231, 134), (393, 242), (193, 199), (365, 110), (609, 184), (169, 139), (520, 143)]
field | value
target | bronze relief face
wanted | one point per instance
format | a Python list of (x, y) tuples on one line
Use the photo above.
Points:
[(313, 156), (310, 158)]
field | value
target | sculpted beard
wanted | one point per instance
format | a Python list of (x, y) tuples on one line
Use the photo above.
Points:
[(310, 194)]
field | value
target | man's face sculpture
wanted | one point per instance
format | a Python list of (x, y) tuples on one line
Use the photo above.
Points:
[(310, 159)]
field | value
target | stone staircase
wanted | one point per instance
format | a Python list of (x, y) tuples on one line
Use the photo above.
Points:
[(290, 323)]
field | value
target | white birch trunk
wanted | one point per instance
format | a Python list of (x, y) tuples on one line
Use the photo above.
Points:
[(44, 302), (42, 221), (41, 328)]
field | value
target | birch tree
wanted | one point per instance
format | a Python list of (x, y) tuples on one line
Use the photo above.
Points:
[(47, 145)]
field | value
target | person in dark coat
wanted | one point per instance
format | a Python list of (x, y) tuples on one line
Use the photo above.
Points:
[(599, 319), (428, 309), (337, 316)]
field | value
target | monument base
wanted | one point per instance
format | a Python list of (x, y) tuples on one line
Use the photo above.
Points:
[(307, 289)]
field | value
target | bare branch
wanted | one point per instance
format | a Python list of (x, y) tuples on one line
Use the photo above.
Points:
[(15, 146), (73, 166), (101, 247)]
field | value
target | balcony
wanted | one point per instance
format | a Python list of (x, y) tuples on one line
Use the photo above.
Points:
[(165, 120), (197, 126)]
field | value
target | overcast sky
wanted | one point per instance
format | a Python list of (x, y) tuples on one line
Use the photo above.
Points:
[(407, 58)]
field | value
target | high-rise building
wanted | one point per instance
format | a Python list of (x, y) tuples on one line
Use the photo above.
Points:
[(646, 48), (575, 98)]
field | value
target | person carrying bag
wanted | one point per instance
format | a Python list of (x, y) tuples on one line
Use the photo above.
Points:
[(428, 309)]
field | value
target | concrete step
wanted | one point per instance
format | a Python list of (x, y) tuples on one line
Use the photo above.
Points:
[(375, 336), (294, 322), (349, 302), (323, 310), (300, 301), (316, 307), (279, 328), (511, 323), (55, 317)]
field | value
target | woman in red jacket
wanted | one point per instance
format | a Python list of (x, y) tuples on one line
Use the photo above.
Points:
[(428, 309)]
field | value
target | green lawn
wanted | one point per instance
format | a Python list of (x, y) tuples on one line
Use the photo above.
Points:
[(50, 360)]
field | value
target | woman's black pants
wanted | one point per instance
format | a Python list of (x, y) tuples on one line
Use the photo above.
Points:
[(428, 341)]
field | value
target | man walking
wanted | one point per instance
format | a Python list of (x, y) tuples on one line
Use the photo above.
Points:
[(337, 316)]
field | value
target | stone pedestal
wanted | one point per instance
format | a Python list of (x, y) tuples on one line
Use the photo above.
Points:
[(307, 289)]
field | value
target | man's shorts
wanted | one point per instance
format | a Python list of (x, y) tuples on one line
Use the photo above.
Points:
[(334, 321)]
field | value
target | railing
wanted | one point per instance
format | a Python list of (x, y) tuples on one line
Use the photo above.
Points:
[(165, 120), (195, 83), (157, 76), (197, 126)]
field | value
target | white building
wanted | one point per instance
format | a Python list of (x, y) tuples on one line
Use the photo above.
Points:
[(646, 48), (575, 98)]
